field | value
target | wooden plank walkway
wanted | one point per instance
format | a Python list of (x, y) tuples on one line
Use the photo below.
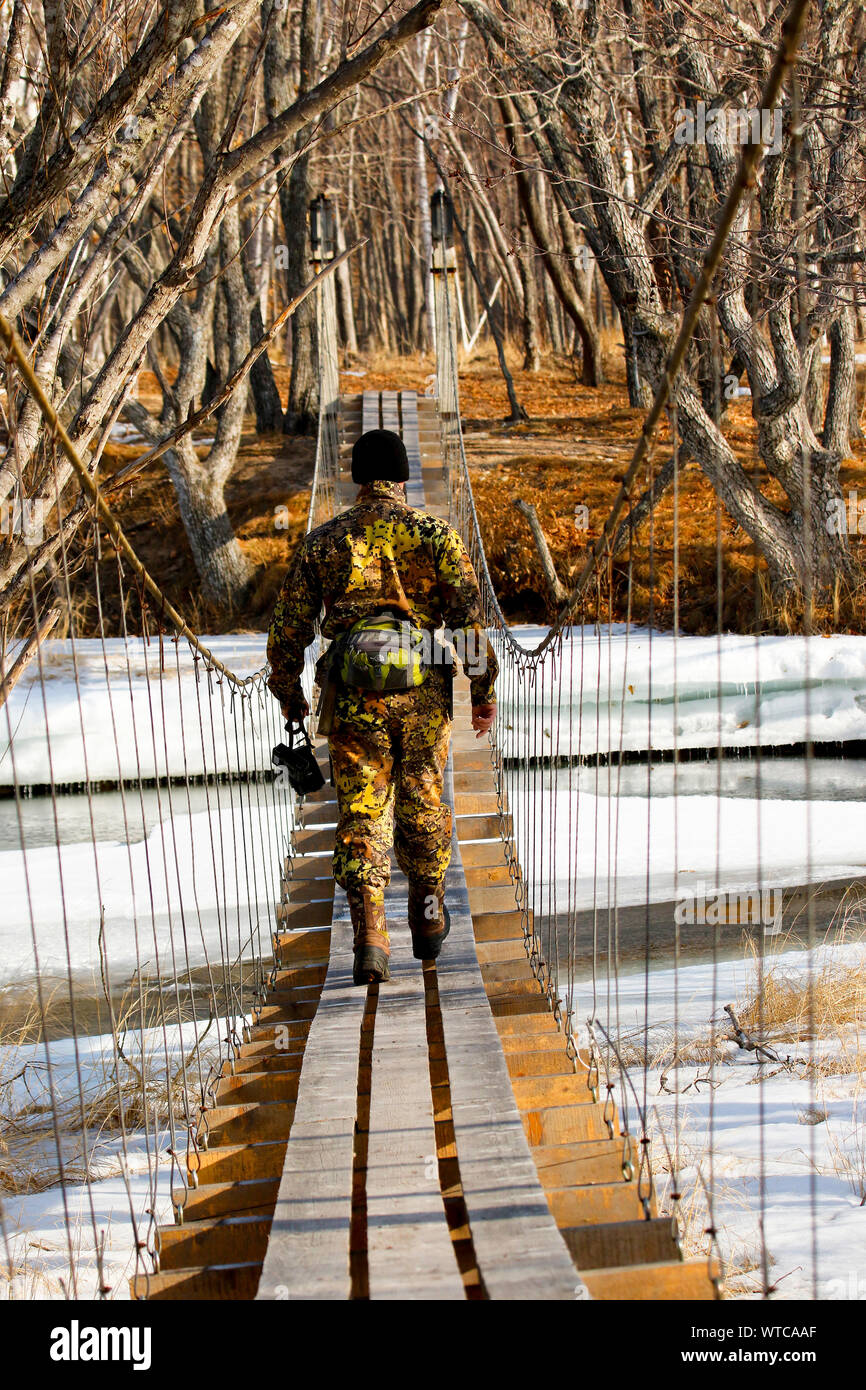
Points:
[(428, 1138), (409, 1244)]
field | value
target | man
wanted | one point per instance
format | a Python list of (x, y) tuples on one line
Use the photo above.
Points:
[(388, 747)]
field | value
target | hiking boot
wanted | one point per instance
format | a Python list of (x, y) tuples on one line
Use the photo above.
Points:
[(429, 921), (371, 944)]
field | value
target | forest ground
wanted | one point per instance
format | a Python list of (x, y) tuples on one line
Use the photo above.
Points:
[(570, 454)]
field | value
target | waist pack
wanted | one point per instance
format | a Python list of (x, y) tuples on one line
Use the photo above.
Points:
[(383, 653)]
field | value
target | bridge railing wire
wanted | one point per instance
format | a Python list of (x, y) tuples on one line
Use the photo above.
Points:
[(559, 748), (147, 847)]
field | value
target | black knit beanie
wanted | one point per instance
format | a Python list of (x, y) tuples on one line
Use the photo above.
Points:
[(380, 454)]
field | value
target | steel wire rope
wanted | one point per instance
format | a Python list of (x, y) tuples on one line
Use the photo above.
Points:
[(121, 1107), (145, 583), (102, 1288)]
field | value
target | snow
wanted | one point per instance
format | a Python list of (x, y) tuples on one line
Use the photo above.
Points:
[(811, 1202), (643, 689), (88, 711), (629, 850), (49, 1234), (45, 1235), (639, 689), (123, 433), (193, 882)]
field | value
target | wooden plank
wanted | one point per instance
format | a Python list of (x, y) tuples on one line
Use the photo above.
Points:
[(482, 852), (263, 1061), (487, 875), (308, 973), (550, 1041), (565, 1124), (309, 914), (575, 1165), (475, 803), (223, 1240), (664, 1282), (622, 1243), (295, 947), (307, 1255), (498, 926), (537, 1062), (499, 898), (544, 1092), (239, 1162), (390, 418), (315, 839), (595, 1203), (493, 951), (246, 1087), (309, 866), (517, 1245), (529, 1025), (324, 813), (409, 1247), (219, 1199), (369, 411), (481, 827), (246, 1124), (308, 890), (518, 1002), (226, 1282)]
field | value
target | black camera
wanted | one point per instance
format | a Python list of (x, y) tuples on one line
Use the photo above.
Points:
[(299, 761)]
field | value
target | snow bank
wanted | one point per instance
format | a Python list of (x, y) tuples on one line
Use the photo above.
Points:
[(193, 882), (637, 690), (84, 711), (49, 1233), (762, 1133), (634, 689), (630, 849)]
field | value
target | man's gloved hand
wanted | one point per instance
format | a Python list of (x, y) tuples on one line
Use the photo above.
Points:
[(295, 709), (483, 717)]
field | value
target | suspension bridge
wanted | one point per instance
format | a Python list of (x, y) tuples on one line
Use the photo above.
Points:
[(481, 1127), (436, 1137)]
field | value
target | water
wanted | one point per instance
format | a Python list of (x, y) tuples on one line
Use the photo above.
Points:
[(143, 811), (772, 779)]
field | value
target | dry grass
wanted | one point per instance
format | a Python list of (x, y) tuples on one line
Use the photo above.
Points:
[(783, 1006), (848, 1152), (691, 1206), (129, 1087)]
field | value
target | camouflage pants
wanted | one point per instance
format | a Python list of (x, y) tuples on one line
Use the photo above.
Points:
[(389, 753)]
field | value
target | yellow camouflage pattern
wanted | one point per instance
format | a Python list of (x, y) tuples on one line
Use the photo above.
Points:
[(388, 753), (379, 554)]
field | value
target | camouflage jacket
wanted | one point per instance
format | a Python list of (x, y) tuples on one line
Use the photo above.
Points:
[(380, 554)]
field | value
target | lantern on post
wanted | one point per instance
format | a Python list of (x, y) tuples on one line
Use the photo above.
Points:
[(322, 239), (442, 229)]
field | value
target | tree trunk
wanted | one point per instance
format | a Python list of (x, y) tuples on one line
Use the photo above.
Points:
[(222, 566), (345, 302), (303, 407), (269, 408), (842, 390), (531, 345)]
